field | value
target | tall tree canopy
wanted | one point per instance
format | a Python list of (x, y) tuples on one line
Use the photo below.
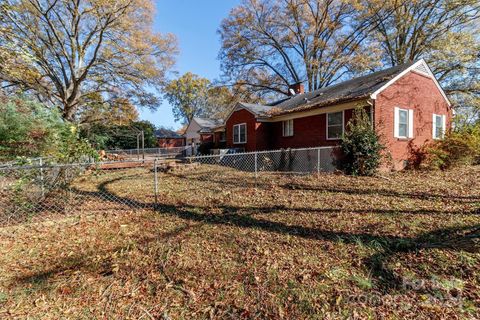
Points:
[(65, 50), (188, 96), (119, 136), (191, 95), (269, 44), (444, 32)]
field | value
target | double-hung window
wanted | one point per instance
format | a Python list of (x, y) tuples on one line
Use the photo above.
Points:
[(287, 128), (438, 126), (240, 133), (334, 125), (403, 123)]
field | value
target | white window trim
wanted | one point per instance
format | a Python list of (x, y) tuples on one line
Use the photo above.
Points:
[(396, 123), (434, 123), (233, 137), (326, 125), (283, 128)]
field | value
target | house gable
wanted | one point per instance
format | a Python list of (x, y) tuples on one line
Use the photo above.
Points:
[(417, 93), (191, 132), (420, 67), (240, 116), (251, 108)]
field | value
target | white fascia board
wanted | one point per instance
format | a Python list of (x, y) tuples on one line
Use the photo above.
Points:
[(404, 72)]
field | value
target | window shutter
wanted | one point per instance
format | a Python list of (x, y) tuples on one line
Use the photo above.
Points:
[(434, 124), (410, 123), (395, 122)]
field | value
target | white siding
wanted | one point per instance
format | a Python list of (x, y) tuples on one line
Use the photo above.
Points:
[(192, 132)]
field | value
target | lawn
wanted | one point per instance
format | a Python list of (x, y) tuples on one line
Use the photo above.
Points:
[(404, 245)]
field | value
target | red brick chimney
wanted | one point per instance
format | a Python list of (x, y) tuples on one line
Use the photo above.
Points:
[(298, 88)]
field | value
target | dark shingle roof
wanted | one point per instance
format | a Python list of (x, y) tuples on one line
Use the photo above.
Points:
[(207, 123), (167, 134), (257, 109), (356, 88)]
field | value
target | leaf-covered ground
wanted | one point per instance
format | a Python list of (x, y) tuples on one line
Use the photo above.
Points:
[(405, 245)]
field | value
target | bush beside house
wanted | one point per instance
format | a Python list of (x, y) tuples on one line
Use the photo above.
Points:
[(361, 146), (459, 147)]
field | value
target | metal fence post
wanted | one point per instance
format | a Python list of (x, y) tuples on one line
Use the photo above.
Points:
[(318, 161), (155, 176), (42, 178), (256, 168)]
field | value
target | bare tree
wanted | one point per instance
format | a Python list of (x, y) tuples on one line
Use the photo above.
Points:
[(269, 44), (66, 50), (444, 32)]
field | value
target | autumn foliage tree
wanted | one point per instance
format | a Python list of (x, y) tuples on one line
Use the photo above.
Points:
[(191, 96), (188, 96), (443, 32), (65, 50), (269, 44)]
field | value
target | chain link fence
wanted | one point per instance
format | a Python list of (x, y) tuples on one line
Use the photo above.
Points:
[(307, 160), (33, 192), (39, 191), (146, 153)]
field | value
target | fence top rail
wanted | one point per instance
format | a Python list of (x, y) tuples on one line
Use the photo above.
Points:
[(146, 149), (96, 164), (71, 165), (260, 152)]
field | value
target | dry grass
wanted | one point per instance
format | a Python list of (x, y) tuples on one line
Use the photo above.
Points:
[(328, 246)]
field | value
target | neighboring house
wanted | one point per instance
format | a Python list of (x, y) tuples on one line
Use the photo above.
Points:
[(406, 103), (169, 138), (201, 130)]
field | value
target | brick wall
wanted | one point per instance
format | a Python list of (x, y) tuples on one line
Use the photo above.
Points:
[(170, 142), (412, 91), (244, 116), (307, 132)]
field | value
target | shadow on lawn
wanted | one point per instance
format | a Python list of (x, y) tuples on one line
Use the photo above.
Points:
[(261, 184), (457, 238), (384, 192)]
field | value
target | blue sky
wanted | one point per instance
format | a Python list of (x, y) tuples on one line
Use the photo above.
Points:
[(195, 23)]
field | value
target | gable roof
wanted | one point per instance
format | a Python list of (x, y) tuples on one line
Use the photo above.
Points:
[(164, 133), (256, 109), (207, 125), (356, 88), (207, 122), (363, 87)]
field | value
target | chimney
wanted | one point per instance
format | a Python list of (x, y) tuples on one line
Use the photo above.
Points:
[(298, 88)]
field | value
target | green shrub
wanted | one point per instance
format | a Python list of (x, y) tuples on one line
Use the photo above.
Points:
[(123, 136), (361, 147), (459, 147), (31, 129)]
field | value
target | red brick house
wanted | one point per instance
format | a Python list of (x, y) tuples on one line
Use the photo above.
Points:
[(169, 138), (406, 103)]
